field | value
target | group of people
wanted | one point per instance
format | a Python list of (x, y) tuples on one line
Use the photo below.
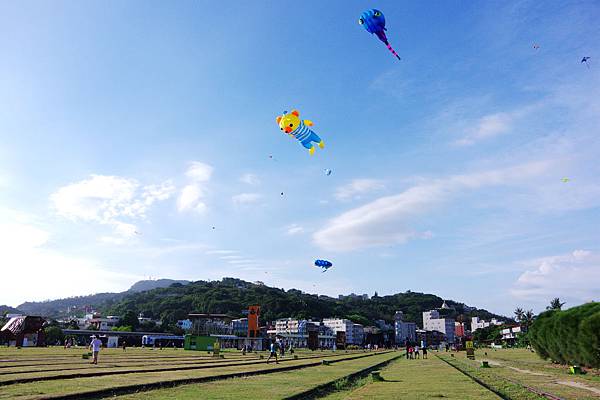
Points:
[(414, 352), (277, 346)]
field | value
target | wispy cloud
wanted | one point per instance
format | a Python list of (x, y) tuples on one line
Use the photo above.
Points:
[(192, 195), (245, 198), (250, 179), (217, 252), (357, 187), (385, 221), (294, 229)]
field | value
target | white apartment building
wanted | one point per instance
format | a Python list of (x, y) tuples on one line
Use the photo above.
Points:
[(104, 324), (354, 332), (404, 330), (510, 333), (286, 325), (433, 322), (476, 323)]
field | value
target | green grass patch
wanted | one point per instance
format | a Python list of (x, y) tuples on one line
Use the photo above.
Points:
[(277, 385), (32, 390), (417, 379)]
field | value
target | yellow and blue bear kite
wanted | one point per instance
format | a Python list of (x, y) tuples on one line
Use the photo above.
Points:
[(296, 128)]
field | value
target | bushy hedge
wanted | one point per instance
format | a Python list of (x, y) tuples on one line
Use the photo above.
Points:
[(569, 337)]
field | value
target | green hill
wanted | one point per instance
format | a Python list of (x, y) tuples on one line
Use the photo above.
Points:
[(232, 296)]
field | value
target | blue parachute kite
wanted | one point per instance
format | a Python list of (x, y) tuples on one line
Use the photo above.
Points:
[(323, 264), (374, 22)]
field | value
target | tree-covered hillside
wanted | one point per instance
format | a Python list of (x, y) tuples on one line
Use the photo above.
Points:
[(232, 296)]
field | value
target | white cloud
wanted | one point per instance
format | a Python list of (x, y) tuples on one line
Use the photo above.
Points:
[(488, 126), (192, 195), (357, 187), (575, 276), (26, 258), (190, 199), (108, 200), (385, 220), (199, 171), (250, 179), (123, 232), (245, 198), (294, 229)]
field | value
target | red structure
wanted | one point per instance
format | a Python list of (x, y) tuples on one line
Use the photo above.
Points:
[(459, 330), (253, 326)]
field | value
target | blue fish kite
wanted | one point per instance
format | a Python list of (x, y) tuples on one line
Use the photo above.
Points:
[(374, 22), (323, 264)]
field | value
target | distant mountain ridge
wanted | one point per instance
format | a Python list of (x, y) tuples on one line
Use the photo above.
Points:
[(75, 305), (4, 309)]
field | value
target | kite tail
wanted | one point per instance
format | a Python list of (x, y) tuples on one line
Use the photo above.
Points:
[(392, 50), (383, 38)]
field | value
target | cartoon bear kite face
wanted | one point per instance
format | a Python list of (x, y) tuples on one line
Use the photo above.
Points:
[(289, 122)]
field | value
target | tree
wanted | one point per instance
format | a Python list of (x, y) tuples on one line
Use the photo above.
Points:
[(54, 335), (519, 314), (527, 319), (555, 304), (129, 318)]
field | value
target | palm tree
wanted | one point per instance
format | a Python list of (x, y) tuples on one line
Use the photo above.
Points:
[(555, 304), (519, 314), (527, 319)]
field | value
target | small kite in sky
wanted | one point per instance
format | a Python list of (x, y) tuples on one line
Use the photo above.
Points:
[(299, 129), (536, 46), (323, 264), (584, 60), (374, 22), (328, 171), (565, 180)]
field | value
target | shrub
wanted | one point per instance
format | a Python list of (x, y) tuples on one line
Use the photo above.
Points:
[(571, 336)]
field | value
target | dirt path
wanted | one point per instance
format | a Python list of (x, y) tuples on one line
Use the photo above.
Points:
[(579, 385), (526, 371)]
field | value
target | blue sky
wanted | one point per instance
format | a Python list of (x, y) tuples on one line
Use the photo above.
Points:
[(128, 130)]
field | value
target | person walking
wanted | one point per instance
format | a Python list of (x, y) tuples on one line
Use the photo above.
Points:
[(424, 352), (417, 354), (273, 350), (410, 352), (95, 346), (407, 350)]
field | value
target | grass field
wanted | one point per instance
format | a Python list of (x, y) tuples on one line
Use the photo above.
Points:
[(527, 369), (56, 373)]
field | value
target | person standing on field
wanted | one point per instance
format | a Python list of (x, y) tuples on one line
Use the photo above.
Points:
[(273, 350), (95, 346)]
